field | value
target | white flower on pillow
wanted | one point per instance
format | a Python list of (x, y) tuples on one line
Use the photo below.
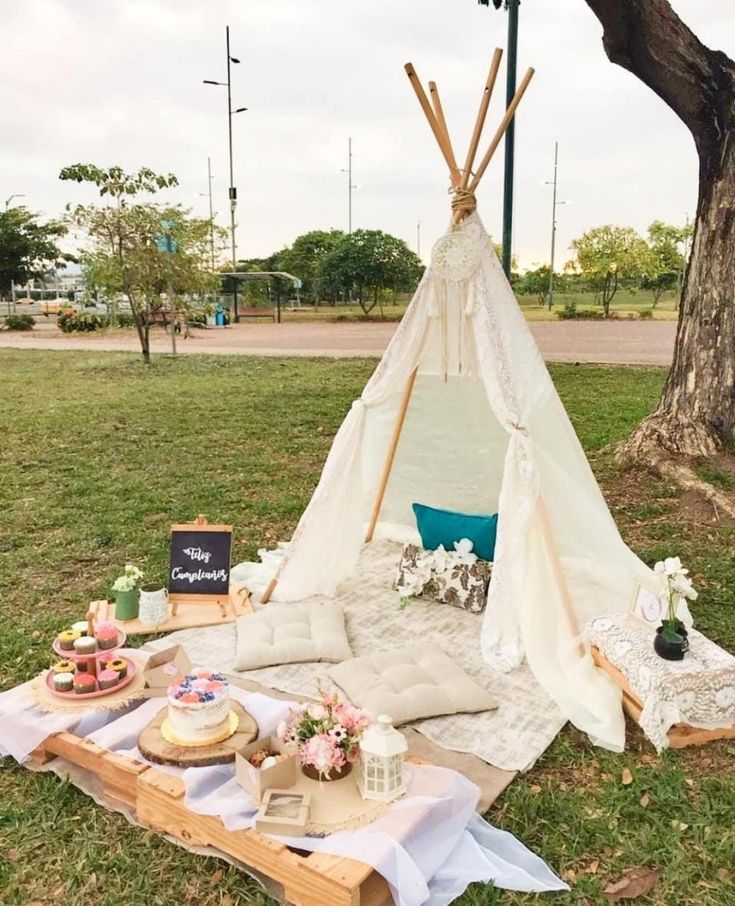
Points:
[(463, 552)]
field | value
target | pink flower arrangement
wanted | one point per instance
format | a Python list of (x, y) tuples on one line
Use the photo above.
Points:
[(327, 733)]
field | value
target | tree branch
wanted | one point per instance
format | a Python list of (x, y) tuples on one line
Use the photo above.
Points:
[(647, 38)]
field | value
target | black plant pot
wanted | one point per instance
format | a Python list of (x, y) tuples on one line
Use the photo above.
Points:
[(671, 649)]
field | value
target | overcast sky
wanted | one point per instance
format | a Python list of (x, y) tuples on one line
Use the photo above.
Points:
[(120, 82)]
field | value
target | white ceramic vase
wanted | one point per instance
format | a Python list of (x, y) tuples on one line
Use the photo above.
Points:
[(153, 608)]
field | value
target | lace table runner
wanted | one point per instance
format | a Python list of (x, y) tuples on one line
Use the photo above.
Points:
[(698, 691)]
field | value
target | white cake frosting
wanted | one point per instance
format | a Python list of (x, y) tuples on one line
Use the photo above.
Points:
[(199, 707)]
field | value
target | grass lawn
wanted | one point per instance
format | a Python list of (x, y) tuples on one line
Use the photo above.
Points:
[(99, 454), (626, 304)]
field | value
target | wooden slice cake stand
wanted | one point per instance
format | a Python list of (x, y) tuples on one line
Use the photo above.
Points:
[(155, 748)]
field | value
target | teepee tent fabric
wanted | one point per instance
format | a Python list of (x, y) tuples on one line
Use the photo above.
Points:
[(485, 431)]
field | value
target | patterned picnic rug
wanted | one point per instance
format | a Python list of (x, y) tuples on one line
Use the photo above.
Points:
[(511, 738)]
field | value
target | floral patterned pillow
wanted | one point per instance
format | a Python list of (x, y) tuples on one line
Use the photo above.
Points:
[(457, 577)]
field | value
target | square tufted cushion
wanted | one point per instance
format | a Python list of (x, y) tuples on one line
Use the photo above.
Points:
[(410, 683), (291, 634)]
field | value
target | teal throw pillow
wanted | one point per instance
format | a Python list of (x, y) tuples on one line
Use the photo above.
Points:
[(447, 526)]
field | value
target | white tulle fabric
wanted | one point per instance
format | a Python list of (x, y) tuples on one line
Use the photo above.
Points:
[(429, 846), (485, 432)]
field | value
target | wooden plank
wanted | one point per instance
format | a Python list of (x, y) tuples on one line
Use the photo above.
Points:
[(680, 735), (162, 811), (194, 614), (158, 801)]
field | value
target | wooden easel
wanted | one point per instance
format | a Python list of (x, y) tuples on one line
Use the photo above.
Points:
[(464, 183), (200, 524)]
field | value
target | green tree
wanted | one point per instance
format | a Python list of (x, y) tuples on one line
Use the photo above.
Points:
[(142, 251), (368, 261), (696, 413), (610, 255), (28, 248), (536, 283), (304, 258), (668, 244)]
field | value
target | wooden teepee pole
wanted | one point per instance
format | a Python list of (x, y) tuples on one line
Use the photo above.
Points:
[(391, 455), (481, 114), (566, 599), (269, 591), (504, 123), (442, 124), (432, 121)]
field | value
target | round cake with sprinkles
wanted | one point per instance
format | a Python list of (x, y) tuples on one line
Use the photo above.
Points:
[(199, 708)]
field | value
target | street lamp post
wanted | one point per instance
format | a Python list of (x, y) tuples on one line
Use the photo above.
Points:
[(554, 205), (11, 197), (510, 138), (232, 189), (12, 282), (350, 185), (512, 6), (208, 193)]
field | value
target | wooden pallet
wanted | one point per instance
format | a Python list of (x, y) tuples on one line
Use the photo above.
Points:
[(188, 616), (680, 735), (157, 801)]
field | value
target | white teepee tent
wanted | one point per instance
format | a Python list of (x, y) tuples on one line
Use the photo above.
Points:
[(461, 413)]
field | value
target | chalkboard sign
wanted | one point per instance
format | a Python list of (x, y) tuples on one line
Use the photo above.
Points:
[(200, 562)]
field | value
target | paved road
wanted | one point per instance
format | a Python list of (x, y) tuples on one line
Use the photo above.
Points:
[(613, 342)]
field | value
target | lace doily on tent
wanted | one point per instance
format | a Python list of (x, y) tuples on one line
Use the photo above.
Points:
[(457, 255), (699, 691)]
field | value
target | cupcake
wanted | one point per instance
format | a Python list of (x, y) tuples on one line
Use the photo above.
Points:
[(84, 682), (106, 679), (105, 658), (64, 667), (67, 639), (63, 682), (80, 626), (120, 667), (106, 634), (85, 645)]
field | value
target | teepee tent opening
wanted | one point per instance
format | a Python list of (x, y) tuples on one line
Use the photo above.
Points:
[(461, 413)]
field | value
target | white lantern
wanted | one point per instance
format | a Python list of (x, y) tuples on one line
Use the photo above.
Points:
[(382, 750)]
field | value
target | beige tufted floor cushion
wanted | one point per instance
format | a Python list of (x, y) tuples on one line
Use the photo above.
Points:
[(291, 634), (410, 683)]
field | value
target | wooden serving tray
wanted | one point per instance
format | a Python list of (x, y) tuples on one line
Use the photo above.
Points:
[(188, 616), (155, 748)]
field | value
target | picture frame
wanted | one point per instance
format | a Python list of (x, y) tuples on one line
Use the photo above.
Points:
[(283, 812), (649, 605)]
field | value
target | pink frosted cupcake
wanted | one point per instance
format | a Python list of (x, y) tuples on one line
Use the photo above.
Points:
[(106, 679), (84, 682), (106, 634), (105, 658)]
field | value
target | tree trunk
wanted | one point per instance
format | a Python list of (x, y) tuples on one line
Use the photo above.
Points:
[(696, 413)]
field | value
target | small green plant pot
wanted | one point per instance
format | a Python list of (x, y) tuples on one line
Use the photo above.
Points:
[(126, 604)]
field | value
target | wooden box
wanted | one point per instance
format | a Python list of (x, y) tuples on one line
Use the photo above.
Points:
[(283, 812), (257, 781)]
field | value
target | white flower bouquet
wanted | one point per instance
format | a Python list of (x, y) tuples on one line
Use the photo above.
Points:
[(677, 587), (129, 580), (326, 733)]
